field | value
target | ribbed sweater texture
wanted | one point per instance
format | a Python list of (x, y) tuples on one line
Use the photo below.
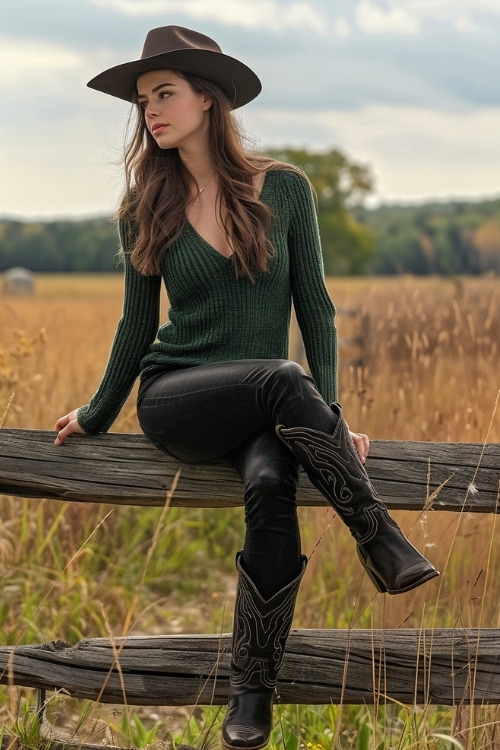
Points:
[(215, 316)]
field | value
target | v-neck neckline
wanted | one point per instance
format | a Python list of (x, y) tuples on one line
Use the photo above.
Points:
[(207, 243)]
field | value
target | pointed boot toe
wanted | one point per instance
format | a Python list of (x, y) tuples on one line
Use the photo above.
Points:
[(239, 736), (248, 719), (391, 575), (414, 576)]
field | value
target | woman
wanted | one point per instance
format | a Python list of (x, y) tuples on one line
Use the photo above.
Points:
[(234, 238)]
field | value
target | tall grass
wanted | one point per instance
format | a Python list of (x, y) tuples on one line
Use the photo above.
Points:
[(429, 371)]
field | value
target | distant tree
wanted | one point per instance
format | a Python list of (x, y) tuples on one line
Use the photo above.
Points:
[(341, 185), (487, 244), (440, 238), (55, 246)]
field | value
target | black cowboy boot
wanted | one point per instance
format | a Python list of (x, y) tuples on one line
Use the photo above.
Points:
[(334, 467), (259, 636)]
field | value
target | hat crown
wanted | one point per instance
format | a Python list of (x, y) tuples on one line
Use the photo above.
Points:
[(187, 51), (175, 38)]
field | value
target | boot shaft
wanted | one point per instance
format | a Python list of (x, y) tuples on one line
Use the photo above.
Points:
[(335, 469), (260, 631)]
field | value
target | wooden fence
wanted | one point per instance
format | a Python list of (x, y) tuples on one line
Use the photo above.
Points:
[(436, 666)]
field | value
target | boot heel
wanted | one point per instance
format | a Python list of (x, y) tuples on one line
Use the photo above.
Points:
[(379, 585)]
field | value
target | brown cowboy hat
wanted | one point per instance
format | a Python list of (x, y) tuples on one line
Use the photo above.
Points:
[(177, 48)]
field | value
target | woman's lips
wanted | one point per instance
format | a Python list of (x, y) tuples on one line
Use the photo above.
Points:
[(158, 127)]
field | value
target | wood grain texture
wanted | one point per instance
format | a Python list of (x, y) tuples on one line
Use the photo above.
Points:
[(126, 469), (440, 666)]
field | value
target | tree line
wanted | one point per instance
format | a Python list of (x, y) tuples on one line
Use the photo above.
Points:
[(85, 245), (438, 238)]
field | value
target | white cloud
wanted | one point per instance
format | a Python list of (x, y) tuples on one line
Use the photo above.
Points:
[(250, 14), (444, 9), (468, 26), (341, 27), (372, 19), (66, 168), (414, 153), (299, 16), (20, 59), (408, 16)]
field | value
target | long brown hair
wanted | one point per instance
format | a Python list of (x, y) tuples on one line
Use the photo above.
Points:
[(158, 188)]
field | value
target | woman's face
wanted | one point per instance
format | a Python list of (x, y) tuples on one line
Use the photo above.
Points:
[(175, 115)]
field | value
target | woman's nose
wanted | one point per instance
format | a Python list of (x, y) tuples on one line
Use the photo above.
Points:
[(151, 109)]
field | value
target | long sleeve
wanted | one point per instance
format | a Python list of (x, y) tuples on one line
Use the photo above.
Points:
[(135, 332), (313, 305)]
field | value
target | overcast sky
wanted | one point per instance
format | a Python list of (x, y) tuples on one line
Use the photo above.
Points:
[(408, 87)]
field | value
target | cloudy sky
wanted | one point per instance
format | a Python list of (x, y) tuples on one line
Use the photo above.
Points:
[(409, 87)]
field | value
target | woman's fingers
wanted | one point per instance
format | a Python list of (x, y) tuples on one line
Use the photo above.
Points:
[(66, 425), (361, 443)]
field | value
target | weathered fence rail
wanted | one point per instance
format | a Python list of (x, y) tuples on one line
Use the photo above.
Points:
[(321, 666), (440, 666), (126, 469)]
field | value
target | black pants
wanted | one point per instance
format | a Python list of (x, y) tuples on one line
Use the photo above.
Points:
[(230, 409)]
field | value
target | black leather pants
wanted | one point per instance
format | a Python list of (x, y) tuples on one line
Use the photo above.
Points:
[(230, 409)]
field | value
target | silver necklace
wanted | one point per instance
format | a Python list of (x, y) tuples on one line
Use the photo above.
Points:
[(201, 188)]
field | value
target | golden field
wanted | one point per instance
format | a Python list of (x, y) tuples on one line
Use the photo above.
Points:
[(428, 369)]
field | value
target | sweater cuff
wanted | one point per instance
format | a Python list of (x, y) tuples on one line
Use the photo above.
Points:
[(86, 424)]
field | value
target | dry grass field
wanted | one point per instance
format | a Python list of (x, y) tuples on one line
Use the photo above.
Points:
[(428, 369)]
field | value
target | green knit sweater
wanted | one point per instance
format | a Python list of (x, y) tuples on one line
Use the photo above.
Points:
[(215, 316)]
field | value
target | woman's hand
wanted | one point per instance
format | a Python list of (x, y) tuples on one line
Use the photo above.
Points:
[(361, 443), (67, 425)]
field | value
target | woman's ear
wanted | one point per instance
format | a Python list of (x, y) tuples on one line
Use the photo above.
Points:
[(207, 102)]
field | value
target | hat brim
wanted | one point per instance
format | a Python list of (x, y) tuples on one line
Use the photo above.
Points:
[(237, 80)]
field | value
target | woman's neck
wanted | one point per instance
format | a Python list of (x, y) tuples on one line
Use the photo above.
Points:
[(200, 167)]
